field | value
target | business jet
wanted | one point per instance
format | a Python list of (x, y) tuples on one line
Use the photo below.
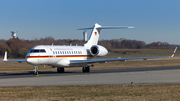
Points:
[(74, 56)]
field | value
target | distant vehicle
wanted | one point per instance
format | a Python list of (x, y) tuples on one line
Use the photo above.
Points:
[(73, 56)]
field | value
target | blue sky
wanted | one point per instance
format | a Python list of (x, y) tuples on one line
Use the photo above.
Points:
[(154, 20)]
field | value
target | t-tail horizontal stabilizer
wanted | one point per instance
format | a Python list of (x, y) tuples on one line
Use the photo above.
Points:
[(107, 27), (94, 37)]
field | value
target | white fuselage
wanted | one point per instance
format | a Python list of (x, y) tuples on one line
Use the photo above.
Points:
[(56, 55)]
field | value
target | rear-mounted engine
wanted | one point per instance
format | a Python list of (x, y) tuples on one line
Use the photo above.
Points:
[(98, 50)]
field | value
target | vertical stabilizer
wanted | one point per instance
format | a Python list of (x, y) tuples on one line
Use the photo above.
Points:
[(94, 37)]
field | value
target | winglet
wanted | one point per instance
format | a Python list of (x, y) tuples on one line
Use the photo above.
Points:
[(5, 56), (174, 52)]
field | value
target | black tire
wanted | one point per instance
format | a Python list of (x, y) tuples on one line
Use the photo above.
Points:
[(62, 70), (58, 70), (35, 73), (87, 69), (83, 69)]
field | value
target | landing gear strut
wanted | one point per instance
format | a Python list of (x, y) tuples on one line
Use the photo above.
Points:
[(35, 70), (60, 70), (86, 69)]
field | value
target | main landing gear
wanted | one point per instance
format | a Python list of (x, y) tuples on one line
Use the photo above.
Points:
[(60, 70), (35, 70), (86, 69)]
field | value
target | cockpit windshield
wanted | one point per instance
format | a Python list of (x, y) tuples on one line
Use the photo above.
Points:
[(37, 51)]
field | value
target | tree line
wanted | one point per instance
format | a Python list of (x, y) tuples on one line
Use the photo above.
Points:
[(18, 48)]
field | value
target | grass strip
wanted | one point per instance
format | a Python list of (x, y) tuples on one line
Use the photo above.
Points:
[(162, 92)]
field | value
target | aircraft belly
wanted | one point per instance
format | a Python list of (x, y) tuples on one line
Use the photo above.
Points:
[(53, 60), (65, 62)]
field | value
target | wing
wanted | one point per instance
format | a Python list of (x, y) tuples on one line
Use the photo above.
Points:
[(117, 59), (5, 59), (20, 61), (112, 59)]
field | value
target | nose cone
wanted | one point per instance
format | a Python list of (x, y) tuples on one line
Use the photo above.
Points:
[(29, 59)]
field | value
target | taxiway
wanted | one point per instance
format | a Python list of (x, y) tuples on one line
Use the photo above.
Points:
[(146, 75)]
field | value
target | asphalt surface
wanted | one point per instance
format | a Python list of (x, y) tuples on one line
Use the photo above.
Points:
[(147, 75)]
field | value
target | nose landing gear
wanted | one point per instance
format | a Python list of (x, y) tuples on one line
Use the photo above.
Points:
[(35, 70)]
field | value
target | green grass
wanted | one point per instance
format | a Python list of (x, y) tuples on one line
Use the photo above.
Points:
[(158, 92)]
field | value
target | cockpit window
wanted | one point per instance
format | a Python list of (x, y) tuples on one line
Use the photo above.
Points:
[(31, 50), (42, 50), (37, 51)]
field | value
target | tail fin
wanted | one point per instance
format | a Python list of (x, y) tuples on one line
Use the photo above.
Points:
[(94, 37)]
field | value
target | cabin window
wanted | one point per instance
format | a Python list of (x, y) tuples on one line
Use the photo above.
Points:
[(79, 52)]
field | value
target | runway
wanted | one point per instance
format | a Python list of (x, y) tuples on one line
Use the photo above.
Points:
[(146, 75)]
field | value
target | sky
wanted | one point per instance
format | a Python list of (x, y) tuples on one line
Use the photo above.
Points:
[(154, 20)]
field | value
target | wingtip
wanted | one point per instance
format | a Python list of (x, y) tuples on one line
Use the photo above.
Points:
[(174, 52), (131, 27), (5, 56)]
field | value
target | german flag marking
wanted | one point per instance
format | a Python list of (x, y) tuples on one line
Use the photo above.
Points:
[(95, 33)]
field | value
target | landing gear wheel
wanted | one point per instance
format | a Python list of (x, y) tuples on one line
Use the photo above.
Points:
[(35, 73), (85, 69), (60, 70)]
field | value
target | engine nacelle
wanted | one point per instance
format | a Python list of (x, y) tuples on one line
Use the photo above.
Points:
[(98, 50)]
